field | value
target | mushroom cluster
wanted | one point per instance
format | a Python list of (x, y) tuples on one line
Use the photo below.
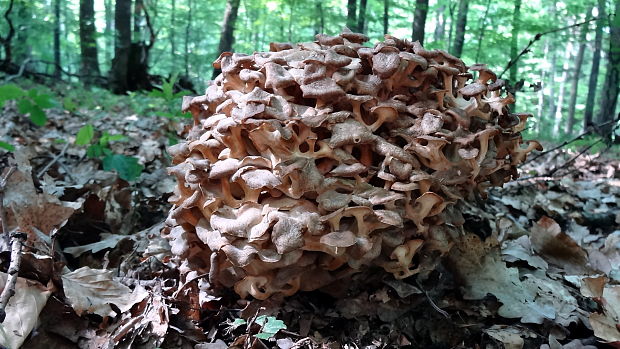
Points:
[(306, 163)]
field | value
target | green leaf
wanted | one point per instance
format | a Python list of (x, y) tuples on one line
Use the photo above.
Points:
[(10, 91), (44, 101), (85, 135), (69, 104), (270, 326), (24, 106), (7, 146), (94, 151), (127, 167), (264, 335), (237, 323), (37, 116)]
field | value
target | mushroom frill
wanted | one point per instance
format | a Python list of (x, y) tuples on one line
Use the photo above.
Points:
[(307, 163)]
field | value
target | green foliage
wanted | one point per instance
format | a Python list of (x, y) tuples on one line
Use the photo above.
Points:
[(31, 102), (85, 135), (7, 146), (127, 167), (269, 326), (170, 98)]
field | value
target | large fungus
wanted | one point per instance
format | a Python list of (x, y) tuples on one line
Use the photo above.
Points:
[(310, 162)]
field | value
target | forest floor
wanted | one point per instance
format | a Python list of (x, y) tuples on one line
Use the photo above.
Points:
[(538, 266)]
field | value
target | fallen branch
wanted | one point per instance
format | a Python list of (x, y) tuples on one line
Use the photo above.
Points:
[(19, 73), (18, 239), (3, 182), (54, 160), (537, 37)]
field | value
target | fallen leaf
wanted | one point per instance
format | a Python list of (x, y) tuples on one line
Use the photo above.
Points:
[(107, 241), (94, 290), (606, 325)]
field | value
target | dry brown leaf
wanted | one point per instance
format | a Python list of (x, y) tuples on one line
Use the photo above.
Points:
[(22, 312), (557, 247), (94, 290), (606, 325)]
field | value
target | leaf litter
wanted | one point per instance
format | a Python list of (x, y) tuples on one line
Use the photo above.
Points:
[(537, 266)]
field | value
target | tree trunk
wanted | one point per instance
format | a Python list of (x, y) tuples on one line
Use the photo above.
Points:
[(188, 28), (386, 16), (320, 23), (576, 76), (483, 23), (173, 24), (361, 19), (122, 46), (57, 62), (6, 40), (440, 28), (351, 19), (514, 42), (107, 33), (596, 61), (88, 43), (612, 77), (461, 23), (228, 28), (419, 20), (451, 10), (291, 6), (559, 106)]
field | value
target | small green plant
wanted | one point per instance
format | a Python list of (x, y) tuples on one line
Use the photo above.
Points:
[(32, 102), (172, 109), (127, 167), (270, 325)]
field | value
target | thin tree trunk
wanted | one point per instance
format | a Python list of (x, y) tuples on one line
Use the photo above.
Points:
[(57, 61), (559, 106), (576, 76), (483, 24), (320, 23), (596, 61), (188, 28), (173, 24), (361, 19), (541, 92), (451, 10), (551, 77), (291, 6), (514, 42), (122, 45), (88, 43), (138, 7), (440, 28), (351, 19), (612, 77), (6, 40), (461, 23), (228, 28), (419, 20), (386, 16), (107, 33)]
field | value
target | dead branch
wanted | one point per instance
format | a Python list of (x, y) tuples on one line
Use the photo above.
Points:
[(54, 160), (19, 73), (6, 41), (18, 239), (537, 37), (3, 182)]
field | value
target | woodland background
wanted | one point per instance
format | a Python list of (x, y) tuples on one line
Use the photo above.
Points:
[(560, 57)]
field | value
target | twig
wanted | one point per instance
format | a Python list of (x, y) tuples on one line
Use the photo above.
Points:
[(537, 37), (567, 163), (588, 131), (3, 182), (16, 258), (47, 167), (19, 73), (438, 309)]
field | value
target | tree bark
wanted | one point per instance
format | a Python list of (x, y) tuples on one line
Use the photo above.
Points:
[(596, 61), (57, 61), (361, 18), (88, 43), (122, 46), (351, 11), (483, 23), (612, 77), (320, 23), (228, 28), (440, 28), (419, 20), (6, 40), (576, 76), (386, 16), (461, 23)]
